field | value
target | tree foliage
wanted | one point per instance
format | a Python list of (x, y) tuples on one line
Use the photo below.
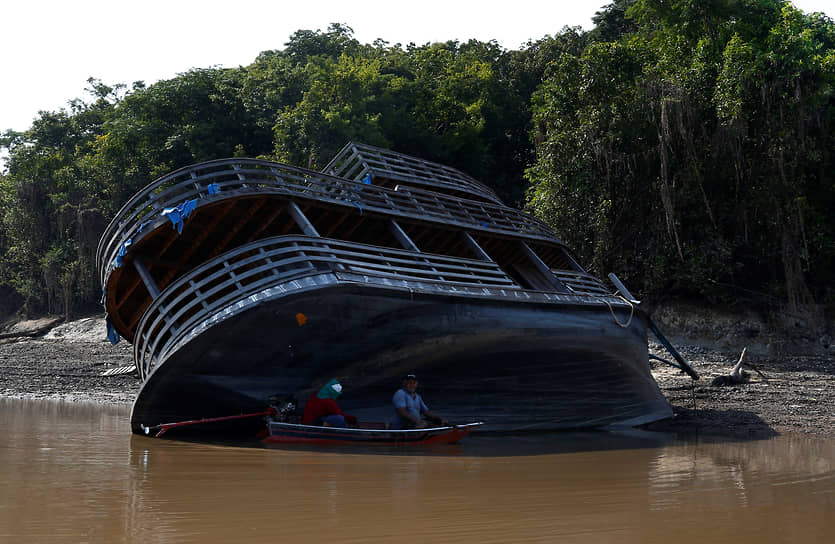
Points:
[(689, 146)]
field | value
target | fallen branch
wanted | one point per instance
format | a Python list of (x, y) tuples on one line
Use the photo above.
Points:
[(737, 375)]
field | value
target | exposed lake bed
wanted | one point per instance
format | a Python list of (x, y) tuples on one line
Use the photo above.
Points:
[(793, 394)]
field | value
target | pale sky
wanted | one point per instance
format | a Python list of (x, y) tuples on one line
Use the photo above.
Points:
[(50, 48)]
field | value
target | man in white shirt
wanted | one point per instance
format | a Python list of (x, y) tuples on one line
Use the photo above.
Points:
[(410, 412)]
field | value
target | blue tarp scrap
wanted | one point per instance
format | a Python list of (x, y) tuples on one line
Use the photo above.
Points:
[(112, 335), (145, 224), (122, 252), (214, 188), (354, 198), (367, 179), (179, 213)]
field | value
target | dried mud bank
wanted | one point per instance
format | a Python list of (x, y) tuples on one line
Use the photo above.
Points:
[(793, 392), (796, 394), (67, 362)]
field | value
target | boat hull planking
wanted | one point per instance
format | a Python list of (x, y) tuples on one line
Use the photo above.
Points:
[(515, 365)]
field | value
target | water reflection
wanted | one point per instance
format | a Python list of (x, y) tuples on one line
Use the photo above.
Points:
[(72, 473)]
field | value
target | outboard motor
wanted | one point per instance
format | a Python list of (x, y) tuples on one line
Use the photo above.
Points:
[(285, 407)]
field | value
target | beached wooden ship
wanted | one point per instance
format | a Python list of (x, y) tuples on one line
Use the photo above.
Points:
[(238, 279)]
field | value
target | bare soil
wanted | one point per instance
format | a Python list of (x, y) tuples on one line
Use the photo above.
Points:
[(795, 392), (67, 362), (796, 395)]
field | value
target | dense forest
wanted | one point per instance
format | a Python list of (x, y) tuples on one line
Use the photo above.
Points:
[(685, 144)]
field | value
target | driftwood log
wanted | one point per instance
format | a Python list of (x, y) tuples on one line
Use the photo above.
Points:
[(737, 375)]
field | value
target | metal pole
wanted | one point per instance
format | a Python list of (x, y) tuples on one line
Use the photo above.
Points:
[(301, 219), (543, 268), (147, 279), (480, 253), (402, 237), (622, 288)]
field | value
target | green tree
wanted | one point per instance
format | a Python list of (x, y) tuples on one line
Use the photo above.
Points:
[(686, 151), (48, 200), (342, 103)]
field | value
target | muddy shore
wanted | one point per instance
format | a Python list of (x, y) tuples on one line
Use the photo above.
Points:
[(45, 359), (792, 389)]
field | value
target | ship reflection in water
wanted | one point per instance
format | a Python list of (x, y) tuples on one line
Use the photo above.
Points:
[(71, 473)]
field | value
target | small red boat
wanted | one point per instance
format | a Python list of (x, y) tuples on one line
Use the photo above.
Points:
[(368, 433)]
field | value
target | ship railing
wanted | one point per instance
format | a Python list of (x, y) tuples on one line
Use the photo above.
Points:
[(240, 276), (238, 177), (355, 161), (581, 283)]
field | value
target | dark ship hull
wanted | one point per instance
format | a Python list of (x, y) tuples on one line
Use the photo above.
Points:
[(515, 365), (246, 298)]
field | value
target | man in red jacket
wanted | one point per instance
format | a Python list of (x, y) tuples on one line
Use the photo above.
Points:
[(323, 410)]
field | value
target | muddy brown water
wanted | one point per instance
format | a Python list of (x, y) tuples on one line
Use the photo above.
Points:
[(71, 472)]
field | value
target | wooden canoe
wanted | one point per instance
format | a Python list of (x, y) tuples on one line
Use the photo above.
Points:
[(368, 433)]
